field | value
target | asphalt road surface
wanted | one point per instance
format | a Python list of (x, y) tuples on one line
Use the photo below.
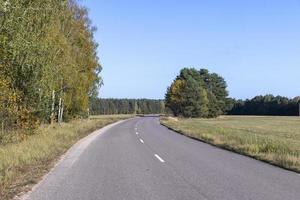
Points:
[(140, 159)]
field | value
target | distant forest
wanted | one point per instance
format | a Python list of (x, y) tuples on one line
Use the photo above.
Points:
[(266, 105), (259, 105), (100, 106)]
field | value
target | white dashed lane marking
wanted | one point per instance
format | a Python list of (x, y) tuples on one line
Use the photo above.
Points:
[(159, 158)]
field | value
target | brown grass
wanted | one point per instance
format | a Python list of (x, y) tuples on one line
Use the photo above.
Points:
[(22, 164), (272, 139)]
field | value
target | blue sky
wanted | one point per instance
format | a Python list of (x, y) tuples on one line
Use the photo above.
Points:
[(143, 44)]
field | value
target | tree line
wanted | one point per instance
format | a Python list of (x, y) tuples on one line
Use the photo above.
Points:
[(48, 65), (197, 93), (100, 106), (266, 105)]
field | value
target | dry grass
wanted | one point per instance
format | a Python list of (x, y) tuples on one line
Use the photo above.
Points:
[(23, 163), (272, 139)]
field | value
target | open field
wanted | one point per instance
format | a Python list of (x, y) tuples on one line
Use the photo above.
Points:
[(272, 139), (23, 163)]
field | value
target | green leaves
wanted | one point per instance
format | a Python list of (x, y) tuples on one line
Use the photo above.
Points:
[(46, 46), (197, 94)]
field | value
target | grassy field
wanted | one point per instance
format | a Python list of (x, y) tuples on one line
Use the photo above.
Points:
[(23, 163), (272, 139)]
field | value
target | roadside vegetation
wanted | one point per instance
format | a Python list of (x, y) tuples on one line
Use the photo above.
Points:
[(48, 67), (49, 81), (272, 139), (197, 93), (49, 71), (23, 163)]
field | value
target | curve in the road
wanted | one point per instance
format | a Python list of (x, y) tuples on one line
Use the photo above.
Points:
[(140, 159)]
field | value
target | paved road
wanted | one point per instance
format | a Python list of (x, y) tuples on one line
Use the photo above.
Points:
[(140, 159)]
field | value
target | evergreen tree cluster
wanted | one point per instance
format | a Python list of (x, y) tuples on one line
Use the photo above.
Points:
[(48, 64), (99, 106), (266, 105), (197, 93)]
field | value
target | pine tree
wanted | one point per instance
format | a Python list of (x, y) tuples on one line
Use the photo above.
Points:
[(197, 94)]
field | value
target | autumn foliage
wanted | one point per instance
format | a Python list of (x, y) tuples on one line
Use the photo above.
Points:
[(46, 47)]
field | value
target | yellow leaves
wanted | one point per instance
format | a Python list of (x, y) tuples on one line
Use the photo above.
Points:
[(177, 86), (176, 90), (12, 113), (45, 46), (5, 92)]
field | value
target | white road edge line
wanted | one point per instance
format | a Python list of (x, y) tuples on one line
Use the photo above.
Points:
[(142, 141), (159, 158)]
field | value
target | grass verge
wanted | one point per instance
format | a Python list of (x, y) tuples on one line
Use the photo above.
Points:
[(22, 164), (275, 140)]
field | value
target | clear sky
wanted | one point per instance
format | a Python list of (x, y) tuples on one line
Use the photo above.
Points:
[(143, 44)]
